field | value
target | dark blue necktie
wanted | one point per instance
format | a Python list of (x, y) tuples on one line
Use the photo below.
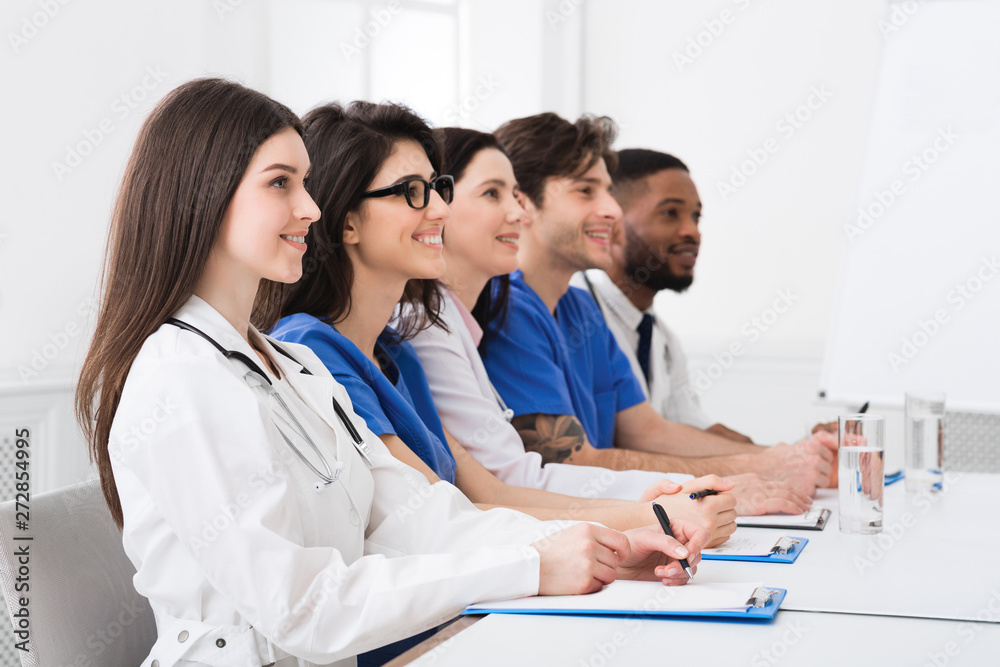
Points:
[(645, 330)]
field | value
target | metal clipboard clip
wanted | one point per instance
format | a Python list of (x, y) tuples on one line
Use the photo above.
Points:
[(784, 545), (761, 597)]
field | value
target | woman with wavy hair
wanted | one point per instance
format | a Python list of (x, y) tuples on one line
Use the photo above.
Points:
[(267, 524)]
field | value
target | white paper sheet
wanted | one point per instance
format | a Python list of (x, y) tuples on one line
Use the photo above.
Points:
[(807, 520), (744, 545), (641, 596)]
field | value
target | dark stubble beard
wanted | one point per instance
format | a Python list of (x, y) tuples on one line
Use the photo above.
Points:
[(644, 265)]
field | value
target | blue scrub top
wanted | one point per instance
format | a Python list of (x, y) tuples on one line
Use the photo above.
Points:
[(569, 364), (399, 406)]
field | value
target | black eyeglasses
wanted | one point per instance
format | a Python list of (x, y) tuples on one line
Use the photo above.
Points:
[(418, 191)]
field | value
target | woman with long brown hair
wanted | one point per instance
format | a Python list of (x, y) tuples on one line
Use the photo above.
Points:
[(267, 524)]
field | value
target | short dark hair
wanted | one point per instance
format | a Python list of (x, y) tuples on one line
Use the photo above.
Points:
[(348, 146), (634, 165), (461, 146), (548, 145)]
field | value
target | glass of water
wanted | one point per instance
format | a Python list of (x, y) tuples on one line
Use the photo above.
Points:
[(924, 437), (861, 452)]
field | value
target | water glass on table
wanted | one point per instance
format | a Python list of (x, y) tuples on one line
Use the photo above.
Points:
[(861, 454), (924, 438)]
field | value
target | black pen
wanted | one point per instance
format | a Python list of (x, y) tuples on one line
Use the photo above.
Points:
[(864, 408), (664, 520), (704, 492)]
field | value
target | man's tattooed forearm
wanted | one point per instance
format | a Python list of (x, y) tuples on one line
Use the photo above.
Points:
[(555, 437)]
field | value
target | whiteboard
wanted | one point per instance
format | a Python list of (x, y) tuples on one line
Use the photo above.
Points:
[(919, 306)]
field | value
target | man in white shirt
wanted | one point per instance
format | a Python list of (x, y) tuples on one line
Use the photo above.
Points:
[(655, 248)]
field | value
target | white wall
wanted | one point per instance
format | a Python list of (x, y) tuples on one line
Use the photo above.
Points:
[(780, 231), (712, 82)]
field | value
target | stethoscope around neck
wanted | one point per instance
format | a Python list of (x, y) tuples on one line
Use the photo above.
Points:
[(256, 373)]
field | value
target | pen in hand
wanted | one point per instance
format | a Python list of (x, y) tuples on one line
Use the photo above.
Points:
[(661, 516), (704, 492)]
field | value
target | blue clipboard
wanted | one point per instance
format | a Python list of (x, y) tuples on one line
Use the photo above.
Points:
[(752, 614), (789, 557)]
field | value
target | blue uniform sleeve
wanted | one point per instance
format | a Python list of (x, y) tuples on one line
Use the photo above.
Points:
[(521, 362)]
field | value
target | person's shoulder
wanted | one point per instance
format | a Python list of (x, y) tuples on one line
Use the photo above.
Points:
[(392, 344), (308, 330), (523, 302), (182, 367), (293, 328), (170, 346), (579, 302), (331, 347)]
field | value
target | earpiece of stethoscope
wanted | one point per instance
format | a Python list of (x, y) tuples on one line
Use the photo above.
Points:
[(338, 467), (508, 414)]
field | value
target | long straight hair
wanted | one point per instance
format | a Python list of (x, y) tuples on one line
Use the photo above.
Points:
[(189, 158), (348, 146), (461, 146)]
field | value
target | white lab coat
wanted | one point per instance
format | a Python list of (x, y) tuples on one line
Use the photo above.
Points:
[(243, 561)]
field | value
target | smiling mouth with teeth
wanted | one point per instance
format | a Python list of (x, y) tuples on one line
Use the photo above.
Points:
[(507, 239), (431, 240), (295, 239)]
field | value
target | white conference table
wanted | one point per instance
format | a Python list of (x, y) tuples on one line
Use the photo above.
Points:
[(924, 592), (793, 638), (937, 557)]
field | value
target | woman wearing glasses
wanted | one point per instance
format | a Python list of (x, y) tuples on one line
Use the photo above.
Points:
[(261, 514), (376, 177)]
